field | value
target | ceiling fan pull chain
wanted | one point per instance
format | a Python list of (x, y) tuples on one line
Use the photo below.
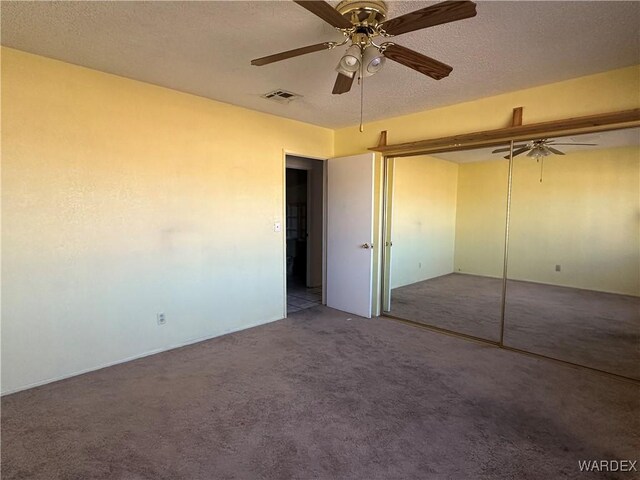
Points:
[(541, 168), (361, 81)]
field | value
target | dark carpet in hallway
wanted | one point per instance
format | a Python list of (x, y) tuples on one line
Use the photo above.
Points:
[(323, 395)]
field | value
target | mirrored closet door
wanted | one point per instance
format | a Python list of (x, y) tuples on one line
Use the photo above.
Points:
[(445, 240), (572, 285), (574, 250)]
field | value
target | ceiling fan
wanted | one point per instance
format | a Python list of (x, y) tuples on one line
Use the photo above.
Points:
[(361, 21), (539, 148)]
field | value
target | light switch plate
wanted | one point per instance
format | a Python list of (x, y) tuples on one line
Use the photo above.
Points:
[(277, 227)]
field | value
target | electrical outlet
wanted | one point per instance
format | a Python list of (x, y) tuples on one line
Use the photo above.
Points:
[(277, 227), (419, 264), (161, 319), (557, 268)]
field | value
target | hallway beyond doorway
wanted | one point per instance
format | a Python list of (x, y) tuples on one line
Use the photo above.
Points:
[(300, 297), (304, 232)]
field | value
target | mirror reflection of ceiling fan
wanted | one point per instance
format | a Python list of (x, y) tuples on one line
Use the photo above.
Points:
[(539, 148), (361, 21)]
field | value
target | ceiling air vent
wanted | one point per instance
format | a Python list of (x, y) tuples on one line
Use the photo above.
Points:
[(281, 96)]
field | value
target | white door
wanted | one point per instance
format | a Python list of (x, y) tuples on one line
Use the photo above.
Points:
[(350, 233)]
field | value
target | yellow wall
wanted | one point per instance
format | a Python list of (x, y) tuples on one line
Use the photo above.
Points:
[(584, 216), (424, 219), (604, 92), (482, 213), (120, 200)]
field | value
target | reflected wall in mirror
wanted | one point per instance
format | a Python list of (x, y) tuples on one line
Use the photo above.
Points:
[(445, 233), (574, 250)]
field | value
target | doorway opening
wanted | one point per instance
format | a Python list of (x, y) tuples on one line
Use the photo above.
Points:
[(304, 232)]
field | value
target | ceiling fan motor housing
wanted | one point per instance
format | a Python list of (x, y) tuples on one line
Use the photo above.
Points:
[(363, 12)]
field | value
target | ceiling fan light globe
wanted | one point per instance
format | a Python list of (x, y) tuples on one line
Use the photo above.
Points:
[(538, 152), (375, 66), (373, 61), (350, 61), (350, 64)]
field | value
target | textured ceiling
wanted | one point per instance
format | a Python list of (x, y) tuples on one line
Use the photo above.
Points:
[(205, 48), (616, 138)]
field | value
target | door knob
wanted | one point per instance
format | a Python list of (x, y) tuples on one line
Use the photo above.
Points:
[(366, 245)]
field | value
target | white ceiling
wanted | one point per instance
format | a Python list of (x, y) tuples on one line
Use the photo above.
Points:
[(603, 140), (205, 48)]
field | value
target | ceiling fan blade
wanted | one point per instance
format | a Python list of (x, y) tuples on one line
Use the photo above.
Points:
[(589, 144), (290, 54), (326, 12), (518, 152), (421, 63), (500, 150), (343, 84), (554, 150), (438, 14)]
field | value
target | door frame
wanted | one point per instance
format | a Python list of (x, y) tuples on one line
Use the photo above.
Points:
[(386, 237), (286, 153)]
